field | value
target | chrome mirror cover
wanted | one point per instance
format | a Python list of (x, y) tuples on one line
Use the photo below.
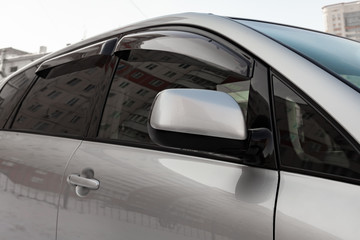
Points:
[(201, 120), (200, 112)]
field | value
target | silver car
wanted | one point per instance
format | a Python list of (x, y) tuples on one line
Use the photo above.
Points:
[(189, 126)]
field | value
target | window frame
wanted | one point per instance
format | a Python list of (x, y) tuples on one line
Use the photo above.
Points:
[(323, 113)]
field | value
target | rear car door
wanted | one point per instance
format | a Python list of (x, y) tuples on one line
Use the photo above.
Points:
[(45, 118), (31, 168), (137, 190)]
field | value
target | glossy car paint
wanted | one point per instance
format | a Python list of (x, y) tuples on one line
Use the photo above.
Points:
[(147, 194), (31, 172), (315, 208)]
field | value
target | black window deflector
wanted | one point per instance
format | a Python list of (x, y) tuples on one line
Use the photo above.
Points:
[(187, 44), (105, 48)]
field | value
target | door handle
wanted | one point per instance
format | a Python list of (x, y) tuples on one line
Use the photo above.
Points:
[(84, 182), (77, 180)]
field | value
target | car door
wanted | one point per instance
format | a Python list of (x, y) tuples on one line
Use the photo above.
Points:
[(45, 118), (31, 169), (122, 186), (318, 193)]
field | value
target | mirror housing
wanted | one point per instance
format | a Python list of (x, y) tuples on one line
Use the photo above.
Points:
[(195, 119), (206, 120)]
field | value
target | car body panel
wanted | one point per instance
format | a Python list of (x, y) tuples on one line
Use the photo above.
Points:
[(31, 172), (158, 195), (316, 208)]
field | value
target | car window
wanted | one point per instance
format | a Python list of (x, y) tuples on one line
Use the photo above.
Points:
[(12, 92), (308, 141), (136, 83), (63, 105)]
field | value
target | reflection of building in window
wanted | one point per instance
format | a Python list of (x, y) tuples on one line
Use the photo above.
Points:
[(184, 65), (12, 92), (73, 81), (137, 75), (124, 84), (53, 94), (156, 82), (34, 108), (128, 103), (142, 92), (126, 112), (89, 88), (343, 19), (151, 66), (65, 103), (13, 69), (170, 74), (72, 101)]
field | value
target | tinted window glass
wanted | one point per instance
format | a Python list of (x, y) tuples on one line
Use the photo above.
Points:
[(12, 92), (63, 104), (137, 82), (308, 141)]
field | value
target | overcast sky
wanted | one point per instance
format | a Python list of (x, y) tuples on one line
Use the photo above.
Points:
[(28, 24)]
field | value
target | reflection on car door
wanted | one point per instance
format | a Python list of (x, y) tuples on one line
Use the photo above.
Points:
[(158, 193), (44, 131), (31, 172)]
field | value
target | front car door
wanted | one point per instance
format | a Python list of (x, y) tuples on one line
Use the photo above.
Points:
[(155, 192)]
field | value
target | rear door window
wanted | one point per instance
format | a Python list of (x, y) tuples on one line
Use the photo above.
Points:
[(63, 104), (13, 91)]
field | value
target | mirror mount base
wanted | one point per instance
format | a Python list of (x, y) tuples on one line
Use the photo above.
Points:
[(261, 146)]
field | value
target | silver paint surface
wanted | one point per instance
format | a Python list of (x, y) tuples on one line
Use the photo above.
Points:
[(146, 194), (203, 112), (31, 171), (316, 208)]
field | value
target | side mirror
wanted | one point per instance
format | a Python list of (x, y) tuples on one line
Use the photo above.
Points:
[(198, 119), (206, 120)]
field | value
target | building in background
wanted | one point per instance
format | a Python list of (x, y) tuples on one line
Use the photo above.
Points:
[(12, 59), (343, 19)]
